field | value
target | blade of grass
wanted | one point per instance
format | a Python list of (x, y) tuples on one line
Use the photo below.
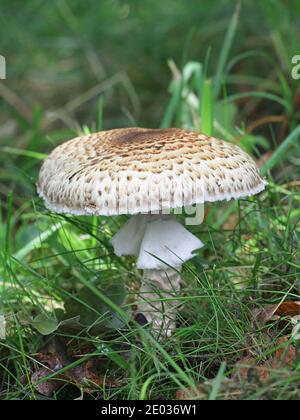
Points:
[(37, 241), (258, 95), (99, 128), (207, 117), (100, 113), (8, 222), (280, 153), (26, 153), (173, 103), (172, 106), (219, 77), (217, 383), (86, 130)]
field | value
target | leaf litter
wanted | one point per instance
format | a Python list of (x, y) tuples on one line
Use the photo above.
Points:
[(284, 356), (59, 368)]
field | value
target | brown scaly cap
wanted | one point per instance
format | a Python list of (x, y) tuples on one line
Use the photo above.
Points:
[(137, 170)]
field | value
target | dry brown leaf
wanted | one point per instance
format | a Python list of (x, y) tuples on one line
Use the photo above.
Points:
[(286, 355), (54, 357), (264, 315), (271, 313), (203, 391), (288, 309), (191, 393), (89, 377), (229, 390), (46, 387), (249, 369), (54, 354)]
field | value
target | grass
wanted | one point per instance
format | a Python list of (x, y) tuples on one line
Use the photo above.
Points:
[(54, 268)]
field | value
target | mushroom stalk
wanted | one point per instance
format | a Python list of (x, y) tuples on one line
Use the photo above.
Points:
[(161, 245), (158, 300)]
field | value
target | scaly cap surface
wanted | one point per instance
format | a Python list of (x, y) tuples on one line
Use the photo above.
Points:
[(137, 170)]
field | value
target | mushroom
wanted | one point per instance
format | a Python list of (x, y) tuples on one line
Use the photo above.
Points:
[(145, 173)]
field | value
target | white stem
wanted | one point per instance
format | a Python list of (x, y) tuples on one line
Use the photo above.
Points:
[(159, 241), (162, 245), (158, 300)]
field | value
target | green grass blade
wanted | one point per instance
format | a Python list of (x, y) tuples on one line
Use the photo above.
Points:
[(25, 153), (100, 113), (258, 95), (8, 222), (207, 112), (217, 383), (172, 106), (37, 241), (280, 153), (219, 78)]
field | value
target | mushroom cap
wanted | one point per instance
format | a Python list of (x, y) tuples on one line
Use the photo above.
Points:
[(138, 170)]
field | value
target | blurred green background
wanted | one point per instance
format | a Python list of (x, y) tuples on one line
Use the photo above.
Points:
[(59, 50), (62, 55), (219, 66)]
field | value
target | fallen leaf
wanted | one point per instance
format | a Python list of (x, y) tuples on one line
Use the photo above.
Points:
[(264, 315), (271, 313), (288, 309), (250, 369), (46, 387), (286, 355), (92, 312), (44, 324), (187, 394), (88, 376), (54, 355), (229, 390)]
